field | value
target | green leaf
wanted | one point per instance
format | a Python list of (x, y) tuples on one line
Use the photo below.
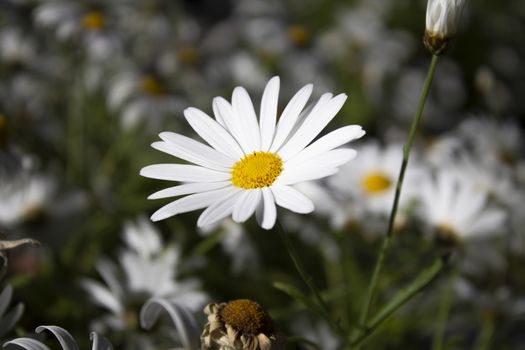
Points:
[(403, 296)]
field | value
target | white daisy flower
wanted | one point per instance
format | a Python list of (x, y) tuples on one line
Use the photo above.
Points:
[(371, 180), (25, 202), (148, 268), (252, 165), (457, 208), (493, 141)]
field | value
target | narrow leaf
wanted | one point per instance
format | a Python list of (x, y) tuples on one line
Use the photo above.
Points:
[(403, 296), (296, 294)]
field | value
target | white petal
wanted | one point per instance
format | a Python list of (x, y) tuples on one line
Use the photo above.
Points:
[(289, 198), (289, 116), (220, 209), (102, 296), (297, 174), (326, 97), (183, 172), (191, 202), (246, 205), (193, 151), (320, 116), (213, 133), (330, 159), (66, 340), (108, 272), (181, 316), (232, 122), (489, 222), (266, 212), (99, 342), (217, 114), (268, 114), (243, 107), (189, 188), (330, 141)]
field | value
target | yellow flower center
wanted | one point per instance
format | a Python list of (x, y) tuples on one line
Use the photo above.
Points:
[(247, 317), (256, 170), (93, 20), (375, 182), (151, 85)]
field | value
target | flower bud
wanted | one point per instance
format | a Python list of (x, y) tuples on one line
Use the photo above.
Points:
[(441, 23)]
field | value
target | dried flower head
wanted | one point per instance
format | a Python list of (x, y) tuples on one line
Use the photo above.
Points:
[(238, 325)]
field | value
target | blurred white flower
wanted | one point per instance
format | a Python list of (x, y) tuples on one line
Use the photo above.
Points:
[(141, 97), (148, 269), (87, 23), (493, 142), (26, 201), (15, 48), (457, 209), (370, 180)]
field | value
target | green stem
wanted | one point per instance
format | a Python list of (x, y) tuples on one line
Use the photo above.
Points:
[(307, 278), (422, 280), (444, 310), (486, 333), (406, 154)]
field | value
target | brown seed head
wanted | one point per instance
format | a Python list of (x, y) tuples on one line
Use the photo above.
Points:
[(247, 317)]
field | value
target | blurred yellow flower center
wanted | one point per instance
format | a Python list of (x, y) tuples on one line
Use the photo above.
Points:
[(188, 55), (298, 35), (256, 170), (247, 317), (151, 85), (93, 20), (375, 182)]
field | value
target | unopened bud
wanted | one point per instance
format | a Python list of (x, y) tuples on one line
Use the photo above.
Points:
[(441, 23)]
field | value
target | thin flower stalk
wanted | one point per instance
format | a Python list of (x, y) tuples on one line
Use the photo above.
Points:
[(292, 252), (399, 185)]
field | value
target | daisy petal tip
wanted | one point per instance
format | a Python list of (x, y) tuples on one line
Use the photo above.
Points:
[(189, 112), (310, 209), (144, 171), (274, 80), (165, 134), (160, 215), (237, 220), (155, 217), (267, 226)]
